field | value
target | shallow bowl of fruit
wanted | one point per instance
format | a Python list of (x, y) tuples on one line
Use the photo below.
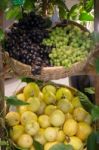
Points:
[(52, 116), (36, 49)]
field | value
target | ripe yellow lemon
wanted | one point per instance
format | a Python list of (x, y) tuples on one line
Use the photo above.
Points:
[(44, 121), (21, 109), (28, 116), (16, 132), (64, 93), (32, 128), (50, 88), (21, 97), (57, 118), (25, 141), (70, 127), (34, 104), (31, 89), (65, 106), (48, 145), (50, 134), (79, 114), (60, 136), (42, 108), (88, 119), (76, 102), (68, 116), (83, 131), (75, 142), (32, 148), (12, 118), (39, 137), (49, 109)]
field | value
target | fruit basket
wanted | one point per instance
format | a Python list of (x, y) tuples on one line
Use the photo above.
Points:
[(47, 102), (47, 71)]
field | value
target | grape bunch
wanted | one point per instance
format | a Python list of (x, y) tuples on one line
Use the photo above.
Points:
[(24, 41), (70, 45)]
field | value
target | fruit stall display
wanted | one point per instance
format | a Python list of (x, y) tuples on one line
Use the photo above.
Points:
[(49, 114), (35, 46)]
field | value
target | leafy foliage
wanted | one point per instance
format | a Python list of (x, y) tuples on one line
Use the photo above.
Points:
[(12, 100), (95, 113), (90, 90), (61, 147), (1, 35), (38, 146), (85, 102), (97, 64)]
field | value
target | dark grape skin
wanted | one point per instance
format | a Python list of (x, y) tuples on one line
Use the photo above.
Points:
[(24, 39)]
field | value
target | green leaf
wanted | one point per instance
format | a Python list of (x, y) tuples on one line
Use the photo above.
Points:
[(89, 5), (38, 146), (61, 147), (62, 13), (87, 104), (26, 79), (72, 10), (1, 35), (95, 113), (17, 2), (12, 100), (90, 90), (97, 65), (91, 141), (84, 16), (3, 143), (13, 13), (29, 5)]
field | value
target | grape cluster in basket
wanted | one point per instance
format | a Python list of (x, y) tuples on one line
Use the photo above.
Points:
[(71, 45), (24, 41), (53, 115)]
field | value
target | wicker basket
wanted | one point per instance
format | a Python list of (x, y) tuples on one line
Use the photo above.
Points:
[(51, 73)]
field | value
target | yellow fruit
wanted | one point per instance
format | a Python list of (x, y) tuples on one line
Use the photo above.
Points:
[(21, 97), (16, 132), (60, 136), (79, 114), (57, 118), (12, 118), (50, 134), (42, 108), (75, 142), (49, 109), (32, 148), (44, 121), (31, 89), (70, 127), (68, 116), (48, 145), (76, 102), (49, 98), (65, 106), (39, 137), (32, 128), (48, 88), (28, 116), (34, 104), (88, 119), (22, 109), (84, 130), (64, 93), (41, 96), (25, 141)]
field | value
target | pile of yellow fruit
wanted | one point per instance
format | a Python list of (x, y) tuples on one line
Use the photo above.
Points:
[(54, 115)]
